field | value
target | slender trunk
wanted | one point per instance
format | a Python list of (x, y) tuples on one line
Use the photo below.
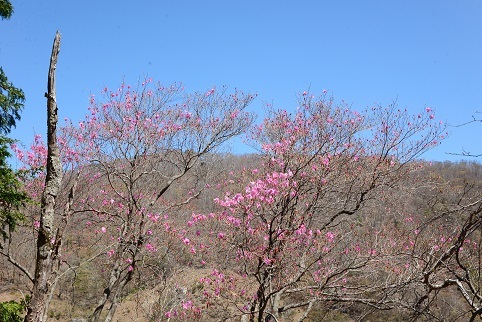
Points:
[(58, 244), (118, 280), (49, 299), (114, 277), (116, 298), (112, 292), (47, 245), (276, 303)]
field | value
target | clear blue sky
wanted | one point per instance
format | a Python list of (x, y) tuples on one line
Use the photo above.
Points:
[(422, 53)]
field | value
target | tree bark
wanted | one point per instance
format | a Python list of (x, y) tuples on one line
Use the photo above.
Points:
[(47, 245)]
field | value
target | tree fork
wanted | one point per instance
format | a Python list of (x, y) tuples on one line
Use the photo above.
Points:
[(47, 246)]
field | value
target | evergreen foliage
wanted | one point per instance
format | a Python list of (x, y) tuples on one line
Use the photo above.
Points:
[(11, 103), (6, 9)]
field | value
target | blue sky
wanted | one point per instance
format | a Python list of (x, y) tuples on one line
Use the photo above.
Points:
[(420, 53)]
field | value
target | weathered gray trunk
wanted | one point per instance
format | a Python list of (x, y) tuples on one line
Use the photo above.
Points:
[(47, 245), (116, 298), (114, 277), (117, 282), (113, 293)]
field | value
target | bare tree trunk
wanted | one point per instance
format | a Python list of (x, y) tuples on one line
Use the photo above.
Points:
[(114, 277), (117, 282), (116, 298), (47, 245), (113, 292)]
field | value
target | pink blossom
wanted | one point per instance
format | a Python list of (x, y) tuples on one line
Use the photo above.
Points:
[(234, 114), (330, 236), (150, 247), (187, 305)]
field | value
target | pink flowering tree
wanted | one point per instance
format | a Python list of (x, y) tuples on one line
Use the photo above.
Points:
[(438, 244), (140, 155), (292, 237)]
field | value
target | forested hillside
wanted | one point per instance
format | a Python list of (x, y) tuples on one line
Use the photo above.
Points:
[(336, 217), (410, 230)]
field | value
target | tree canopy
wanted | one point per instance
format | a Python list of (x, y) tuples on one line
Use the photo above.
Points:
[(6, 9), (11, 103)]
